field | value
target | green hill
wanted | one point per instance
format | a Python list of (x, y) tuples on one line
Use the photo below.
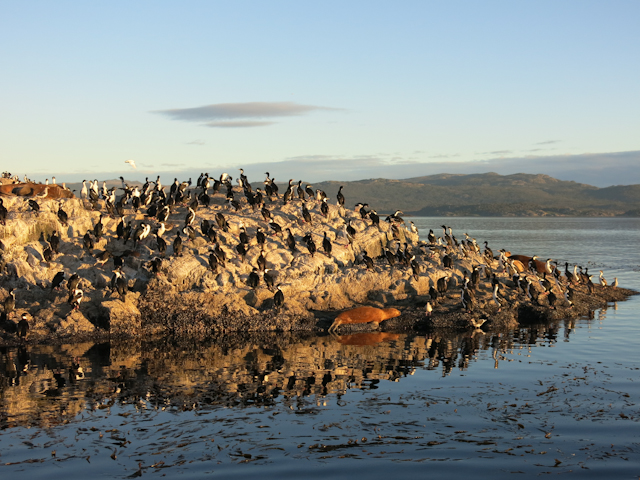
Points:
[(489, 194)]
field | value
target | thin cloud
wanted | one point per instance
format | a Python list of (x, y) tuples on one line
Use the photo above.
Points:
[(233, 111), (548, 142), (244, 124), (196, 142), (499, 152)]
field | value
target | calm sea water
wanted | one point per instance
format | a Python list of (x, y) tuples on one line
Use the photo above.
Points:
[(546, 399)]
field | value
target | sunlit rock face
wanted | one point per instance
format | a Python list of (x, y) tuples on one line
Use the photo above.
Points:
[(185, 288)]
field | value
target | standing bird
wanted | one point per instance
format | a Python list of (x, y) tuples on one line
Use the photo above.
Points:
[(260, 237), (244, 238), (326, 245), (57, 280), (87, 242), (340, 197), (350, 233), (9, 304), (367, 260), (324, 208), (262, 262), (103, 257), (428, 309), (266, 214), (603, 282), (213, 262), (23, 326), (254, 279), (277, 229), (311, 245), (177, 245), (98, 229), (119, 284), (305, 214), (375, 219), (433, 293), (222, 257), (190, 218), (291, 241), (269, 278), (35, 208), (222, 222), (496, 285), (62, 216), (75, 297), (73, 282), (278, 299), (162, 245), (242, 251), (54, 241), (3, 213)]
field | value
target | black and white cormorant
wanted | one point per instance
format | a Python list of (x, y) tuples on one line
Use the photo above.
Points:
[(58, 278), (241, 248), (73, 282), (162, 245), (222, 222), (75, 297), (340, 197), (266, 214), (277, 229), (213, 262), (35, 208), (311, 245), (326, 245), (54, 241), (23, 326), (367, 260), (222, 256), (309, 190), (260, 236), (350, 233), (306, 216), (190, 217), (291, 241), (103, 257), (278, 299), (244, 237), (177, 245), (10, 304), (269, 278), (254, 279), (262, 262), (324, 208), (62, 216)]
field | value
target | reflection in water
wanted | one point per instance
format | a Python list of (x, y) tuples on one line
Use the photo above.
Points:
[(47, 385)]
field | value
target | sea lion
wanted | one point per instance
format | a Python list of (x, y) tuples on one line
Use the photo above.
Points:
[(364, 315)]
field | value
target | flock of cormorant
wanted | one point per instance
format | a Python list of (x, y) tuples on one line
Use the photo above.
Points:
[(533, 278)]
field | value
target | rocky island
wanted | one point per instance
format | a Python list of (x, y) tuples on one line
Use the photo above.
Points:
[(211, 258)]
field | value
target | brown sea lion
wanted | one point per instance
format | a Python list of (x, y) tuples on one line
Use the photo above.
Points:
[(364, 315)]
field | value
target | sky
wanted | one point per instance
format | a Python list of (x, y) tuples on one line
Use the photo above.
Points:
[(318, 91)]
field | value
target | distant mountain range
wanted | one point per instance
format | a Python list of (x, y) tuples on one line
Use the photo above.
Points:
[(486, 194)]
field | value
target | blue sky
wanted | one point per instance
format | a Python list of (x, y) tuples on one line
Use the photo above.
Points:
[(321, 90)]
